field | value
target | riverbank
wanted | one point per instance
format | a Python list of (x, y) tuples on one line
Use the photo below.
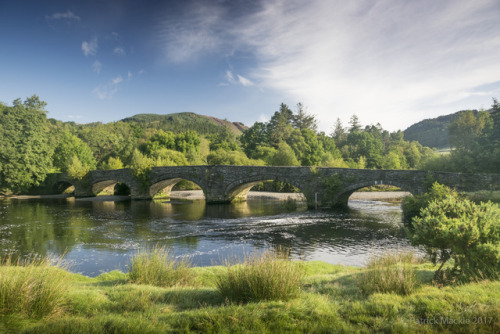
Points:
[(331, 301)]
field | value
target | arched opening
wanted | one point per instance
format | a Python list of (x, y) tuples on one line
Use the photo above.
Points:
[(110, 188), (178, 188), (63, 187), (373, 191), (265, 189)]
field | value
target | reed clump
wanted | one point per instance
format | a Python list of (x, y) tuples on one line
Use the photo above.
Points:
[(265, 277), (36, 287), (157, 266), (390, 273)]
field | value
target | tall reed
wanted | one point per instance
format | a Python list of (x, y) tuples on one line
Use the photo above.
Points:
[(391, 272), (156, 266), (269, 276), (35, 287)]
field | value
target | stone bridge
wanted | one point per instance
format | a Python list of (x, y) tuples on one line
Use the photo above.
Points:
[(321, 186)]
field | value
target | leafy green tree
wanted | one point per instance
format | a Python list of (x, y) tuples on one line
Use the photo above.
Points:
[(166, 157), (314, 149), (355, 125), (284, 156), (222, 157), (25, 153), (254, 137), (70, 146), (112, 163), (187, 141), (75, 168), (224, 140)]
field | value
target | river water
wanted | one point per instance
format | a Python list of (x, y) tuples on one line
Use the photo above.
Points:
[(100, 236)]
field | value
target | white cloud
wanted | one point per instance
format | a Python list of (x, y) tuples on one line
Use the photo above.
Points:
[(90, 47), (67, 16), (106, 91), (129, 75), (238, 80), (394, 62), (119, 51), (97, 66)]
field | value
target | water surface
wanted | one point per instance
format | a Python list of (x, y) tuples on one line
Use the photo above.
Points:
[(101, 236)]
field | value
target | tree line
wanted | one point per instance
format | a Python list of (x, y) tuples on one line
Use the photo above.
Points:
[(33, 145)]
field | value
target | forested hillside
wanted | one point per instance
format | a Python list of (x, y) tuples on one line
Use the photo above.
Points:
[(432, 132), (32, 145), (180, 122)]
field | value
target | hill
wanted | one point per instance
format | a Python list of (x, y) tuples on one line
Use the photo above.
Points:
[(432, 132), (179, 122)]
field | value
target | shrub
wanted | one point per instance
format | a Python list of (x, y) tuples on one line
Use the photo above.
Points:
[(412, 205), (34, 288), (156, 266), (458, 229), (269, 276), (393, 273)]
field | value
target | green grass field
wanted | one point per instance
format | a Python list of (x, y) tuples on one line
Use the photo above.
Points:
[(332, 298)]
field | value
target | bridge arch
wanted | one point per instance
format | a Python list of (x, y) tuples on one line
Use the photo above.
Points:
[(109, 186), (165, 186), (238, 190), (63, 187), (343, 195)]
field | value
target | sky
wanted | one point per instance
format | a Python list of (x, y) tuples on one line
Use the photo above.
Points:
[(393, 62)]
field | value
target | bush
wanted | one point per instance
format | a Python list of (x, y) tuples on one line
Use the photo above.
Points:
[(269, 276), (34, 288), (458, 229), (156, 266), (412, 205), (392, 273)]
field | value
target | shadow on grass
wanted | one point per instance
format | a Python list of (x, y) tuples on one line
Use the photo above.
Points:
[(192, 298)]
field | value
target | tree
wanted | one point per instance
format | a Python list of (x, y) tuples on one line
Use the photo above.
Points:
[(69, 147), (25, 153), (355, 125), (303, 120), (284, 156), (112, 163)]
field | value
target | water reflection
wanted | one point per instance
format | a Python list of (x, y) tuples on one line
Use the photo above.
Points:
[(99, 236)]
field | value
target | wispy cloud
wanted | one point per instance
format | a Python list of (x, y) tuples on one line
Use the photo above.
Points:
[(106, 91), (391, 61), (97, 66), (90, 48), (67, 16), (119, 51), (238, 79)]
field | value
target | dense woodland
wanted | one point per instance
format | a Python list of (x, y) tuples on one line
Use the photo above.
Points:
[(32, 145)]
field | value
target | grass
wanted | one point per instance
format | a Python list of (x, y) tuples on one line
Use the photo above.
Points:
[(156, 266), (390, 273), (485, 196), (34, 287), (330, 300), (269, 276)]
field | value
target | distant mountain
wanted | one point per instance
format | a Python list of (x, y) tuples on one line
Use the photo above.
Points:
[(432, 132), (179, 122)]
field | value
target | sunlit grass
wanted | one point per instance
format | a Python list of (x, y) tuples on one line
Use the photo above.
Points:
[(268, 276), (157, 266), (35, 287), (391, 272)]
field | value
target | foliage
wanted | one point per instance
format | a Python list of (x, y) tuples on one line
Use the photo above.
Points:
[(33, 287), (269, 276), (112, 163), (284, 156), (221, 157), (413, 205), (69, 147), (25, 153), (76, 169), (390, 273), (458, 229), (157, 266)]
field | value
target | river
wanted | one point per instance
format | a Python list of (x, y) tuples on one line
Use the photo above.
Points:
[(100, 236)]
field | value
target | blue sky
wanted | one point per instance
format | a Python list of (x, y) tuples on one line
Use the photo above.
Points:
[(394, 61)]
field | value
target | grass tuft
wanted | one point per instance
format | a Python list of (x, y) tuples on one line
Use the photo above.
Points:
[(390, 273), (270, 276), (156, 266), (35, 287)]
